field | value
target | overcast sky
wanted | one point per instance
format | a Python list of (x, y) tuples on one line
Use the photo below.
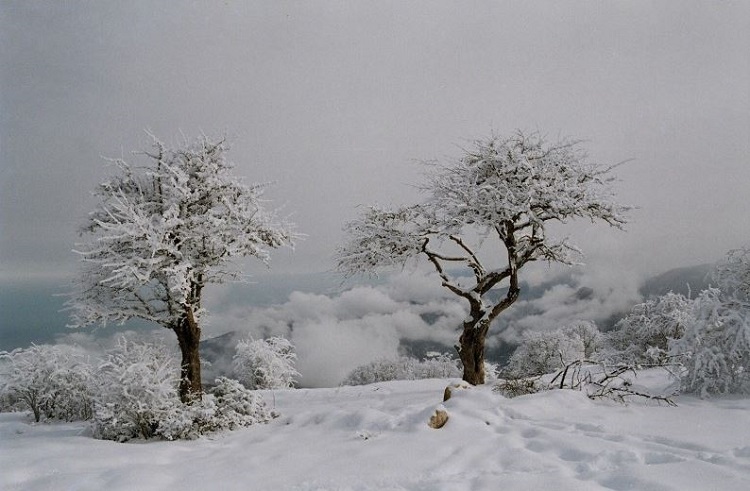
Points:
[(335, 101)]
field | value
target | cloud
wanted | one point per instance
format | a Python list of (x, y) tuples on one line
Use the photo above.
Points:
[(337, 332), (415, 285), (362, 301), (587, 294), (328, 349)]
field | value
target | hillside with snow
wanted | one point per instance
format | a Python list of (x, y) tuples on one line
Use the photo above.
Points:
[(376, 437)]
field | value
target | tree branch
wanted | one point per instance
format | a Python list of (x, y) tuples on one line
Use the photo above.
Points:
[(446, 281), (474, 263)]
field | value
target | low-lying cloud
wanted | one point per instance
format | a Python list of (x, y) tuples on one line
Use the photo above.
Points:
[(334, 334), (337, 332)]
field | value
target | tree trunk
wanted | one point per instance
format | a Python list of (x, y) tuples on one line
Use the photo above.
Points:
[(471, 351), (188, 337)]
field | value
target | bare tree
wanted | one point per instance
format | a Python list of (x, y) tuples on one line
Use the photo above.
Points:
[(504, 189), (162, 232)]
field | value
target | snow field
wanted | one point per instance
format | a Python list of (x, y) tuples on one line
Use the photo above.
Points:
[(376, 437)]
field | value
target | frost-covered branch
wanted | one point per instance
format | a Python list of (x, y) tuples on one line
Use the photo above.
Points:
[(381, 238)]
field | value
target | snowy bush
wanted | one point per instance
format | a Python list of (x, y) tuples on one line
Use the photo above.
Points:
[(434, 365), (384, 370), (540, 353), (514, 387), (437, 365), (138, 398), (732, 276), (265, 363), (545, 352), (716, 343), (587, 336), (227, 406), (644, 335), (716, 346), (53, 382), (138, 390)]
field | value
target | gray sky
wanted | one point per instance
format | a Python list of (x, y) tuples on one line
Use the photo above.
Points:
[(336, 100)]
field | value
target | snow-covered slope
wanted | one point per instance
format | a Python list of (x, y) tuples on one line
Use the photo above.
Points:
[(376, 437)]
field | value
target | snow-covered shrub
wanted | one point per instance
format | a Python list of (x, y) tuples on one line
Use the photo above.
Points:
[(138, 398), (716, 346), (588, 335), (434, 365), (545, 352), (401, 368), (538, 353), (138, 389), (265, 363), (732, 276), (237, 406), (227, 406), (644, 335), (514, 387), (54, 382), (437, 365)]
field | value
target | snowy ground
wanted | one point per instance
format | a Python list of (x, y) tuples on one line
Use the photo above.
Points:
[(376, 437)]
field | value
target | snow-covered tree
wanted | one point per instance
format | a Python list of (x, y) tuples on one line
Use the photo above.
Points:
[(643, 336), (506, 190), (265, 363), (54, 382), (732, 275), (161, 233), (716, 342)]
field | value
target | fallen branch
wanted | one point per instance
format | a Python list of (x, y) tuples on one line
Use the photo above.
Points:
[(609, 384)]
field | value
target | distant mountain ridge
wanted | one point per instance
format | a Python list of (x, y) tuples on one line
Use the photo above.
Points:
[(688, 281)]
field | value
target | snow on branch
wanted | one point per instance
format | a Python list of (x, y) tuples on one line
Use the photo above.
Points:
[(524, 181), (382, 238)]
